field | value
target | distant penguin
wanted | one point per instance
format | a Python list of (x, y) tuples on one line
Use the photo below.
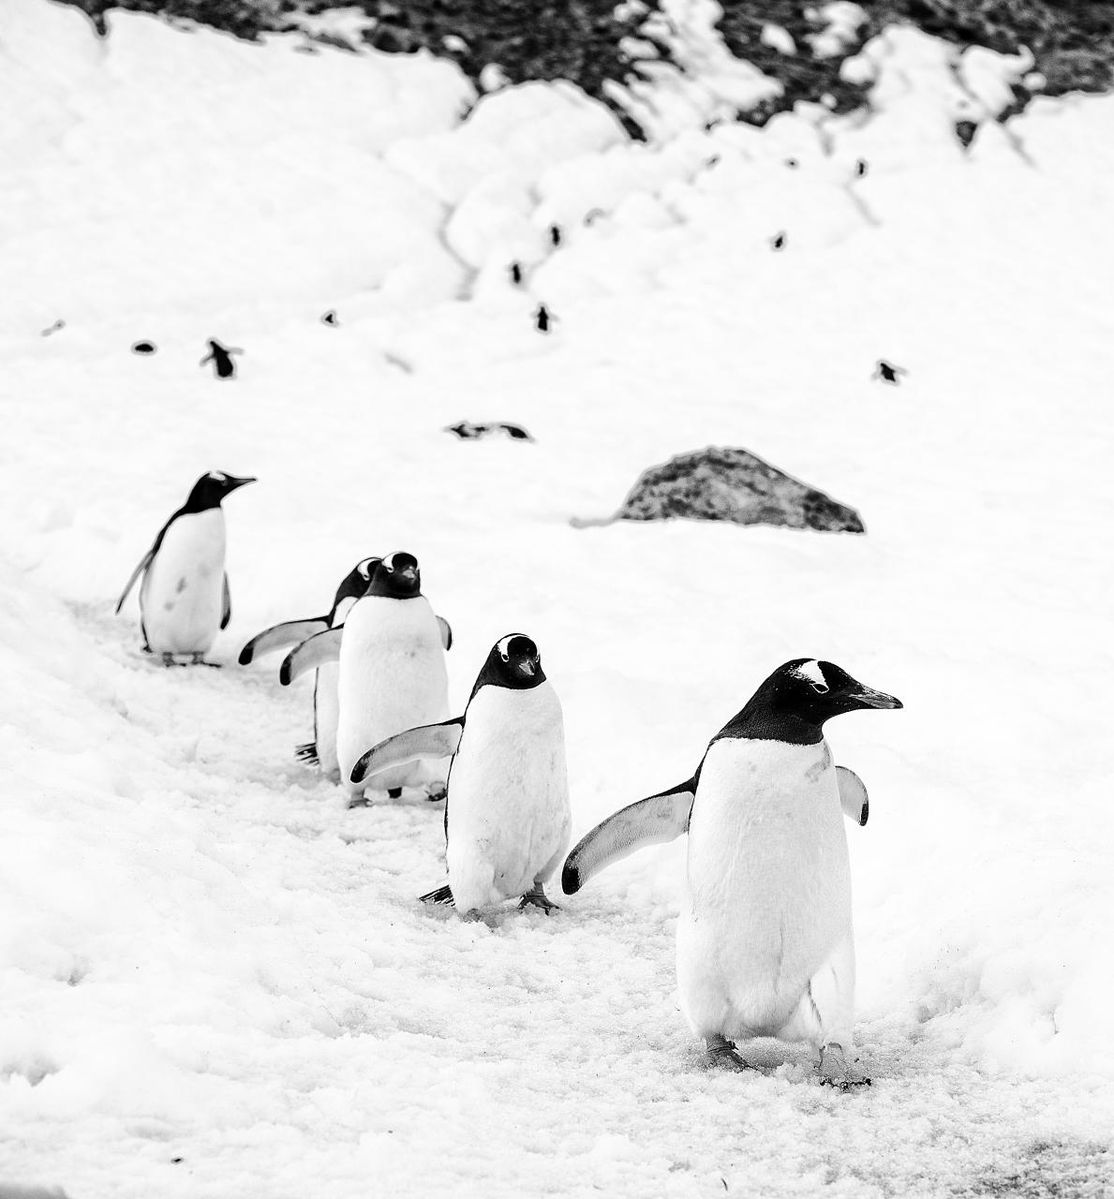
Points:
[(392, 677), (861, 167), (221, 358), (322, 750), (184, 598), (555, 236), (55, 328), (888, 372), (330, 318), (516, 273), (777, 242), (507, 812), (143, 347), (543, 318), (764, 940)]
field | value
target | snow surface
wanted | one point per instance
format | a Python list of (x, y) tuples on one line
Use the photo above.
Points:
[(216, 980)]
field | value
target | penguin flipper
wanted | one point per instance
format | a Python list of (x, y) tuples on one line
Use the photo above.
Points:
[(446, 632), (442, 895), (226, 598), (315, 651), (145, 561), (852, 795), (426, 741), (654, 821), (279, 636)]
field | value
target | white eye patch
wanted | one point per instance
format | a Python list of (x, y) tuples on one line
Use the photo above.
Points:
[(810, 671)]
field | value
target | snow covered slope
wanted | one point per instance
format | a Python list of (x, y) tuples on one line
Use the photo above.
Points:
[(215, 979)]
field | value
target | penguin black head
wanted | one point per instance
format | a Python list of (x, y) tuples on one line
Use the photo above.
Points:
[(354, 583), (795, 701), (513, 662), (396, 576), (210, 489)]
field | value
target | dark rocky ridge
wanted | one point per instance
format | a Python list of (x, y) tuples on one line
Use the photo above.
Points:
[(582, 40)]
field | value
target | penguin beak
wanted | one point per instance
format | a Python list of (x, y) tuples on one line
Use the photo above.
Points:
[(235, 481), (528, 666), (409, 573), (867, 697)]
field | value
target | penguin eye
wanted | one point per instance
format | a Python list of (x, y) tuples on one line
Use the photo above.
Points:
[(819, 688), (505, 657)]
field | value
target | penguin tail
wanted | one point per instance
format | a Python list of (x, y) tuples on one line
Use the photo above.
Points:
[(307, 753), (442, 895)]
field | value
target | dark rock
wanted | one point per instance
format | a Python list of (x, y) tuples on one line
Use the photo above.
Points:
[(722, 483), (965, 132)]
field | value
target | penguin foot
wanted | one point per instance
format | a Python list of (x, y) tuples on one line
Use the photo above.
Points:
[(170, 660), (835, 1072), (536, 898), (358, 801), (436, 793), (722, 1053), (394, 792)]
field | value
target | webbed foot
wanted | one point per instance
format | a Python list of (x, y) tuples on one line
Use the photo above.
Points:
[(835, 1072), (436, 792), (358, 801), (722, 1053), (536, 898)]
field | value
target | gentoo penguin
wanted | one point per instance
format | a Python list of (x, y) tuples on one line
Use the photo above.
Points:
[(764, 942), (888, 372), (184, 598), (543, 318), (392, 677), (508, 791), (221, 358), (322, 750)]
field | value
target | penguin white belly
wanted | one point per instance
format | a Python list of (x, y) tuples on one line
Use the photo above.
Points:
[(391, 678), (182, 597), (508, 814), (768, 888), (326, 709)]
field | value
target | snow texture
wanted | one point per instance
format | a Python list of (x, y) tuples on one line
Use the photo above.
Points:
[(217, 980)]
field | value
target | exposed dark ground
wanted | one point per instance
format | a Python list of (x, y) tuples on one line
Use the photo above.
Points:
[(580, 40)]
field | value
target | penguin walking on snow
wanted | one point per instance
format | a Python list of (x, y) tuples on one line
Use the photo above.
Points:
[(184, 598), (391, 675), (221, 358), (322, 750), (507, 813), (764, 942)]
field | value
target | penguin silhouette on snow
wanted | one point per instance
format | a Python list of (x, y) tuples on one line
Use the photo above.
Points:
[(221, 358), (888, 372), (184, 599), (390, 652), (507, 814), (322, 750), (764, 941)]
